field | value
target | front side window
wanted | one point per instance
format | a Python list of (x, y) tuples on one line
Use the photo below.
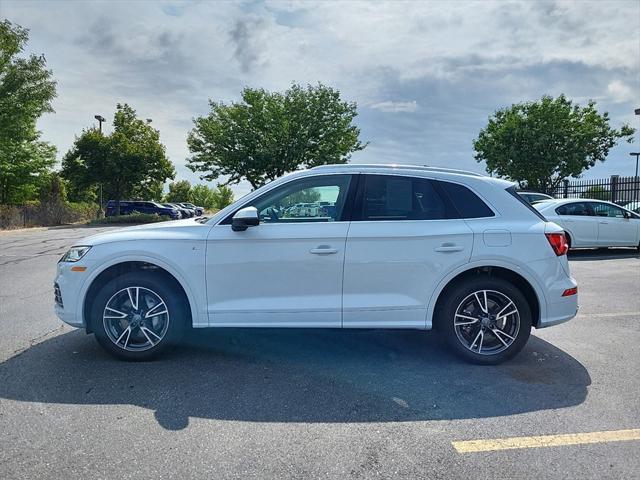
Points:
[(579, 209), (313, 199), (403, 198), (606, 210)]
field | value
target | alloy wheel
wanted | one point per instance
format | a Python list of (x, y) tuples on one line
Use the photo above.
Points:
[(487, 322), (136, 319)]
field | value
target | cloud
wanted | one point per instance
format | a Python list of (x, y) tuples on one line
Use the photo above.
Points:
[(442, 67), (396, 107), (245, 36), (621, 92)]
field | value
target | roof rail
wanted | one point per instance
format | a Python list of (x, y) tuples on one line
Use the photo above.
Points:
[(399, 167)]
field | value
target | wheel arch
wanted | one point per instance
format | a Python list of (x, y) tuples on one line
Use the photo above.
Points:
[(526, 285), (116, 269)]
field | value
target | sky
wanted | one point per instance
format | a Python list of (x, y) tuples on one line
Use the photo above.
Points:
[(426, 75)]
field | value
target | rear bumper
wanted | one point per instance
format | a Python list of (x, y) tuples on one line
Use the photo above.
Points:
[(564, 308)]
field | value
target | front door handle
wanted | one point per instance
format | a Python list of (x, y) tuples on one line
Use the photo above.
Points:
[(449, 248), (603, 222), (323, 250)]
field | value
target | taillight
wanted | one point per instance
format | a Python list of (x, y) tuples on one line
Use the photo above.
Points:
[(570, 291), (558, 242)]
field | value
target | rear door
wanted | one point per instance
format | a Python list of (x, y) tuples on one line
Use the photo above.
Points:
[(580, 221), (402, 239)]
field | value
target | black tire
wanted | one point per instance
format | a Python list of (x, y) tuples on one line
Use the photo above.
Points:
[(459, 336), (146, 284), (568, 237)]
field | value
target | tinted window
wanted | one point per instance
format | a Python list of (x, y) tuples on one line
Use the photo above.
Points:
[(403, 198), (578, 208), (466, 203)]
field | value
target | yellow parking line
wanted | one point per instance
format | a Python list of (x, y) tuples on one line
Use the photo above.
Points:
[(469, 446)]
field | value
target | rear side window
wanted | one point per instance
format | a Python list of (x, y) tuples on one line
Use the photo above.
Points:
[(388, 197), (466, 203), (579, 208)]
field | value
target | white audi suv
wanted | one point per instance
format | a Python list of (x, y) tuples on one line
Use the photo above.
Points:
[(403, 247)]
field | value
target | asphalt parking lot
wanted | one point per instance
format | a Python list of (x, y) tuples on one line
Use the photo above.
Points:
[(316, 403)]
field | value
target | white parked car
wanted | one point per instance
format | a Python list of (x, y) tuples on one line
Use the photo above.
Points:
[(593, 223), (405, 247)]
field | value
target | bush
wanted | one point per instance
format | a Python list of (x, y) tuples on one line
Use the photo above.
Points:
[(42, 214), (133, 218), (597, 192)]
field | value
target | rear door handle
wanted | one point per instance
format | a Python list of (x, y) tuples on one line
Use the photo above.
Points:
[(449, 248), (323, 250)]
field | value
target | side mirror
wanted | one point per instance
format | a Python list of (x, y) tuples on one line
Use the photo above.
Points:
[(244, 218)]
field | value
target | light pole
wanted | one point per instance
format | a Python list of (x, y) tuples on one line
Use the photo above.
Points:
[(100, 119), (636, 154), (635, 178)]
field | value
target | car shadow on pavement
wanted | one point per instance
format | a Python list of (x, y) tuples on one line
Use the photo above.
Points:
[(297, 376)]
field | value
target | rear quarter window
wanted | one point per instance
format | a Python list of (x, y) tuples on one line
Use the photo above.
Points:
[(466, 203)]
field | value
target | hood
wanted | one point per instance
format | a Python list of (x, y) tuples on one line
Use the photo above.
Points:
[(187, 229)]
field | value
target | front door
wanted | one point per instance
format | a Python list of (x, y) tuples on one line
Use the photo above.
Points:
[(613, 228), (287, 271)]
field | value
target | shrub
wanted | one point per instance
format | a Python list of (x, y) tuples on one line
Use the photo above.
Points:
[(42, 214), (133, 218), (597, 192)]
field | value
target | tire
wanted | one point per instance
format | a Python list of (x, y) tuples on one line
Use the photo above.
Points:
[(462, 317), (153, 327), (568, 237)]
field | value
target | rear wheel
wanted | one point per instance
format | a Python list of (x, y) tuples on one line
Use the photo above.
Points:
[(138, 315), (485, 320)]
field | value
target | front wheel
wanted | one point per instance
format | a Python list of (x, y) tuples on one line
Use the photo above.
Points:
[(138, 315), (485, 320)]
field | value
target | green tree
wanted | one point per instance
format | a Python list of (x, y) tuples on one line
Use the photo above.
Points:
[(130, 161), (222, 196), (268, 134), (26, 92), (538, 144), (203, 196), (179, 191)]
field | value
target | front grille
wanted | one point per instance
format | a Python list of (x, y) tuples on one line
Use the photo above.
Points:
[(57, 295)]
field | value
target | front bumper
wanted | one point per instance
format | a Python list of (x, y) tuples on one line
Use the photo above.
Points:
[(67, 287)]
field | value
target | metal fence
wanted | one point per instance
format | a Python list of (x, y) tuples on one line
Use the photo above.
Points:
[(620, 190)]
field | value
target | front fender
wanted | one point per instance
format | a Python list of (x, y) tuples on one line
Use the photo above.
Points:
[(194, 292)]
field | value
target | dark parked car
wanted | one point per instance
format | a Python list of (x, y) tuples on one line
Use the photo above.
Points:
[(127, 207), (198, 210), (184, 212)]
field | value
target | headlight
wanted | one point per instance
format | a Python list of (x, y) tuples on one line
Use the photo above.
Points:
[(75, 253)]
